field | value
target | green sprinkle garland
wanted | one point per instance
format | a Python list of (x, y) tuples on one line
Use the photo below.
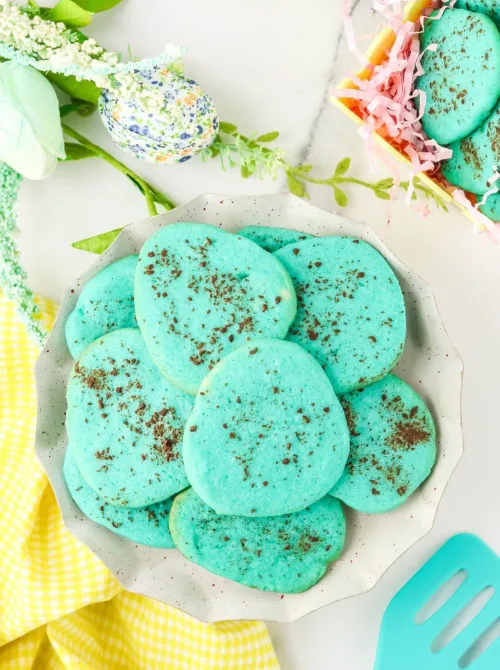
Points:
[(12, 275)]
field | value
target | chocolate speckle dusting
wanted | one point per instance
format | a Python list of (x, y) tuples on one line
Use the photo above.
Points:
[(204, 293), (140, 430), (393, 445)]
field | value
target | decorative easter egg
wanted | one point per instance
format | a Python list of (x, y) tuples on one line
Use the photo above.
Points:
[(169, 120)]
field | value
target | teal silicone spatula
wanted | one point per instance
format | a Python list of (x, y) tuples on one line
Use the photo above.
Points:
[(406, 645)]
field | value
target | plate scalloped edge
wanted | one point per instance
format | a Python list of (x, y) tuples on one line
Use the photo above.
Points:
[(429, 363)]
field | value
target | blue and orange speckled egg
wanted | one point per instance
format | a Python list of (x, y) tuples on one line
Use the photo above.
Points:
[(184, 126)]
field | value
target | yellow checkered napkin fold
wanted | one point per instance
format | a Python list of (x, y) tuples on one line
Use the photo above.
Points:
[(60, 608)]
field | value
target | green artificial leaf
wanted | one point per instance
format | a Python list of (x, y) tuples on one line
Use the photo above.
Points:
[(177, 66), (32, 9), (64, 110), (228, 128), (268, 137), (80, 37), (76, 152), (245, 172), (99, 243), (71, 14), (136, 183), (388, 182), (81, 107), (83, 90), (382, 195), (340, 197), (84, 108), (342, 167), (97, 5), (304, 168), (296, 187), (214, 149)]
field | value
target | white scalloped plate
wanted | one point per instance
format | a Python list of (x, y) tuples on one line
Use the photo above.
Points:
[(429, 363)]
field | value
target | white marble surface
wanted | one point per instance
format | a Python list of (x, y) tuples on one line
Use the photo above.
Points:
[(269, 65)]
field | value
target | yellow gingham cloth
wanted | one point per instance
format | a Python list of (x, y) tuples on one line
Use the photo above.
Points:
[(60, 608)]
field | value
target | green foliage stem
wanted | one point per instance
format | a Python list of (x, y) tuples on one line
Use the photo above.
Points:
[(153, 196), (259, 160)]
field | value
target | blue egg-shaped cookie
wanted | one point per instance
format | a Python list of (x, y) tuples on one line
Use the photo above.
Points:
[(106, 303), (476, 157), (286, 554), (461, 79), (201, 292), (125, 421), (350, 309), (270, 238), (489, 7), (267, 434), (393, 446), (146, 525)]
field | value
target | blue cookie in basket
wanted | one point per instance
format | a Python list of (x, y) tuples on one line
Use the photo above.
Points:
[(489, 7), (491, 207), (476, 157), (200, 292), (393, 446), (125, 421), (267, 434), (351, 314), (146, 525), (287, 554), (106, 303), (461, 77), (271, 239)]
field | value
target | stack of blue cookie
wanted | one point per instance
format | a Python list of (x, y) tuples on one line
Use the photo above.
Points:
[(229, 391), (461, 83)]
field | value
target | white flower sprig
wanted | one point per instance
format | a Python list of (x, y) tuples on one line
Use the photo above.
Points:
[(12, 275), (49, 46)]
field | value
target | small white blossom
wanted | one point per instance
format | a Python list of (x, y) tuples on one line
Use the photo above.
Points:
[(53, 47)]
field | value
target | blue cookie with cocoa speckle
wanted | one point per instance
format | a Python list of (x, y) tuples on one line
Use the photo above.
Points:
[(393, 446), (125, 421), (271, 239), (351, 313), (267, 434), (461, 79), (286, 554), (489, 7), (491, 207), (146, 525), (106, 303), (201, 292), (476, 157)]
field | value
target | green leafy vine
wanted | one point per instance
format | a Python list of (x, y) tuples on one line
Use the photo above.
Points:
[(256, 158), (87, 149)]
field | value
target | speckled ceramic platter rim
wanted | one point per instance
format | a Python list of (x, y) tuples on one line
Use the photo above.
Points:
[(429, 363)]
